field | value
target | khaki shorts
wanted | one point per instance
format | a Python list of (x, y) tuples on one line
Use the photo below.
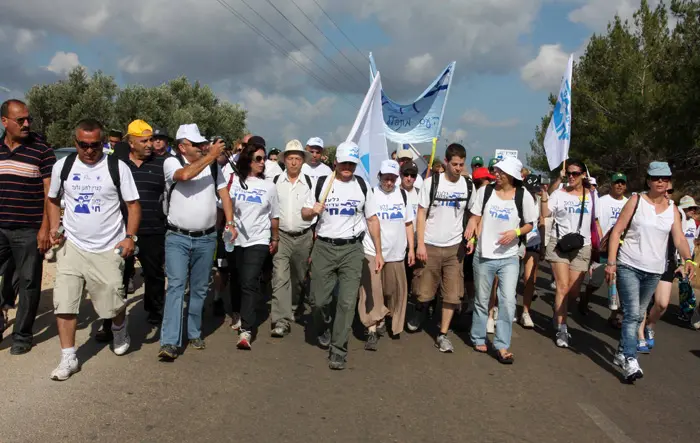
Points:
[(444, 270), (99, 273), (577, 260)]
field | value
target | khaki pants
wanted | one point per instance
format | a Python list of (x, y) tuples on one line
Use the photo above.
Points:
[(100, 273), (290, 264), (383, 294), (444, 270)]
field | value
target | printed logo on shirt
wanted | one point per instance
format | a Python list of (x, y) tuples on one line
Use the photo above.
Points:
[(690, 232), (76, 176), (392, 212), (346, 209), (615, 213), (574, 207), (500, 213), (451, 196), (83, 201), (251, 195)]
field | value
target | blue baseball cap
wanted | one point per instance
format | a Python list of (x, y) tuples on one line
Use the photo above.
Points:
[(659, 169)]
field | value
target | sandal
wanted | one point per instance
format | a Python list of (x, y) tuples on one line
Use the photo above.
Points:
[(505, 358), (478, 349)]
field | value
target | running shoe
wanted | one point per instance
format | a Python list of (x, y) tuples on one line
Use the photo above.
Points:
[(444, 344), (244, 338), (281, 329), (649, 334), (632, 370), (121, 340), (69, 365), (372, 340), (526, 320), (562, 339), (324, 340), (642, 346), (336, 362)]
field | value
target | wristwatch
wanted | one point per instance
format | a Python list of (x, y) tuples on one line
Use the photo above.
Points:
[(132, 237)]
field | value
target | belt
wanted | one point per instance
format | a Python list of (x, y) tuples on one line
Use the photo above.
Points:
[(192, 233), (296, 234), (342, 241)]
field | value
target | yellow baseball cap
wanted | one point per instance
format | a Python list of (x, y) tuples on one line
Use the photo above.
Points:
[(139, 128)]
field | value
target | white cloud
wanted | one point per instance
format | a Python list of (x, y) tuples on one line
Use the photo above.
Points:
[(545, 71), (26, 39), (420, 69), (478, 118), (63, 62), (455, 136)]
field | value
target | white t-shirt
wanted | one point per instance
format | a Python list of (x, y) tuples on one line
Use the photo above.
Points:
[(413, 201), (316, 171), (342, 217), (444, 226), (193, 202), (608, 210), (272, 169), (689, 229), (566, 210), (533, 237), (253, 209), (500, 216), (393, 215), (92, 218)]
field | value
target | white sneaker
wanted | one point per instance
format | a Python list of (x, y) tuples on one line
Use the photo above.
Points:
[(69, 365), (121, 340), (244, 338), (526, 321), (619, 359), (490, 326), (632, 370)]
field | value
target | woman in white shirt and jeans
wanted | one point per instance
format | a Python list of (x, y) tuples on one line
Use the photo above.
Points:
[(256, 207), (641, 259), (565, 206), (498, 227)]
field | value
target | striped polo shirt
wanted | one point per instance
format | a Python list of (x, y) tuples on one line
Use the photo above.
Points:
[(22, 171), (150, 182)]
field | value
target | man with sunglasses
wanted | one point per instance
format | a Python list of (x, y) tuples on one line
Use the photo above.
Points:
[(25, 175), (406, 156), (97, 240)]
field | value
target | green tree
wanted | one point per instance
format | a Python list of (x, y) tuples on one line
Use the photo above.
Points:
[(59, 106)]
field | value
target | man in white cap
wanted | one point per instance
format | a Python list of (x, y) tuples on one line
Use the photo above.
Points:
[(406, 156), (194, 181), (594, 186), (338, 253), (291, 262), (314, 167), (690, 212)]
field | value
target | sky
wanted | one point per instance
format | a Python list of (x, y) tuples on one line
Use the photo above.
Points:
[(299, 67)]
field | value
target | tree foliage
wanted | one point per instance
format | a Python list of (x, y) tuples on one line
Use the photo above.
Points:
[(57, 107), (636, 97)]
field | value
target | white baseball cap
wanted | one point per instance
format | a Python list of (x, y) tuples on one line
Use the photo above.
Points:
[(190, 132), (511, 166), (404, 153), (315, 141), (295, 147), (347, 152), (390, 167), (592, 181)]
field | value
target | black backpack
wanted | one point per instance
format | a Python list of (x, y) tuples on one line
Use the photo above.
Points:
[(433, 196), (519, 195), (308, 180), (322, 180), (112, 167), (214, 174)]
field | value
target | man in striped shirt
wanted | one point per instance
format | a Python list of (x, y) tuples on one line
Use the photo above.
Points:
[(25, 175)]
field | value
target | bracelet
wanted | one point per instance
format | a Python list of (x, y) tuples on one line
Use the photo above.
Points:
[(275, 239), (517, 232), (611, 263), (230, 223), (542, 200), (690, 260)]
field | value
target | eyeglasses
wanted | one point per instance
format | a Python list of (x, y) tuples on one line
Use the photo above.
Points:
[(663, 179), (406, 174), (258, 158), (86, 145), (22, 120)]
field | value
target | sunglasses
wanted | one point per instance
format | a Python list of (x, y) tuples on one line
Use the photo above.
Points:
[(22, 120), (258, 158), (663, 179), (573, 173), (86, 145), (620, 182), (406, 174), (669, 191)]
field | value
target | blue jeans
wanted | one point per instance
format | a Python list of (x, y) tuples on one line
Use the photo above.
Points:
[(635, 288), (485, 270), (186, 257)]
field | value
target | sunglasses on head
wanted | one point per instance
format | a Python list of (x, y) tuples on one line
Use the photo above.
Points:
[(574, 173), (86, 145), (408, 174)]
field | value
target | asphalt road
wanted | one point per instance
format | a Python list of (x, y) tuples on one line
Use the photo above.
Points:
[(283, 391)]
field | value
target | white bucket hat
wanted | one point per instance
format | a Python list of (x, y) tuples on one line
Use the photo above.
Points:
[(295, 147), (511, 166)]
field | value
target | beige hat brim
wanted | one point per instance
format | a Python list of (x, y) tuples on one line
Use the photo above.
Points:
[(305, 154)]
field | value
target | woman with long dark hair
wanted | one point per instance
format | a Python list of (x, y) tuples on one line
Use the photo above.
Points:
[(257, 222), (569, 249), (644, 225)]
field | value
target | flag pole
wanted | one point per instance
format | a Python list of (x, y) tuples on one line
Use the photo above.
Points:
[(432, 157)]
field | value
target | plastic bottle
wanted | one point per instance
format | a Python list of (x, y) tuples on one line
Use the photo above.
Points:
[(119, 250), (228, 240), (613, 300)]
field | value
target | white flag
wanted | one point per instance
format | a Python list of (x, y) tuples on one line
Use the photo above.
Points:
[(558, 137), (368, 133)]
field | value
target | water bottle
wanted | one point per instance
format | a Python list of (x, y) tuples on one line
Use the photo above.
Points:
[(228, 240), (120, 250), (613, 300)]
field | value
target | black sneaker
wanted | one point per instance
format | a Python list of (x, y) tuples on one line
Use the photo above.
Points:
[(20, 347), (381, 329), (336, 362), (415, 322), (167, 352), (198, 343), (324, 340), (371, 343)]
